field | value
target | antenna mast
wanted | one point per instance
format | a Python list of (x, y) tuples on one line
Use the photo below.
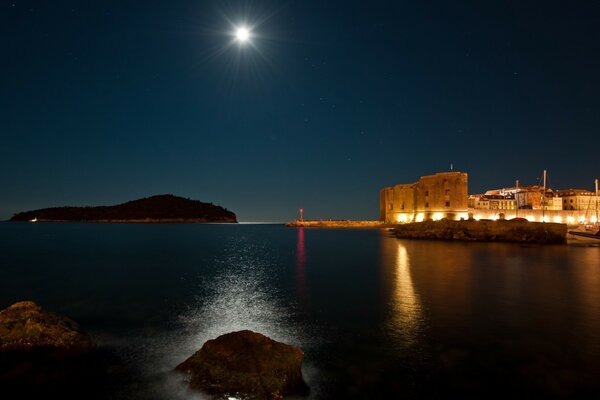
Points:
[(544, 197), (596, 182)]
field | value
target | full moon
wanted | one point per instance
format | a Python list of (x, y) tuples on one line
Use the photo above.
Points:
[(242, 34)]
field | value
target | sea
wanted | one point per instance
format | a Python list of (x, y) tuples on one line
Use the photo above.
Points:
[(376, 316)]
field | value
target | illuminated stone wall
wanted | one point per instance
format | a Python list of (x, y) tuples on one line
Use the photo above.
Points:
[(443, 195), (395, 200)]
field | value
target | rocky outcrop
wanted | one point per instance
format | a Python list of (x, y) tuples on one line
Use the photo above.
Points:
[(485, 231), (25, 326), (248, 363), (44, 355)]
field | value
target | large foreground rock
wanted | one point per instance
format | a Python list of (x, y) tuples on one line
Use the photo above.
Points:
[(246, 363), (25, 325)]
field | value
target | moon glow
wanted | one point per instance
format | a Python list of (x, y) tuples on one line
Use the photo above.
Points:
[(242, 34)]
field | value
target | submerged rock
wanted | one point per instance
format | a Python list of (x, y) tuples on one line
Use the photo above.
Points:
[(25, 326), (246, 363)]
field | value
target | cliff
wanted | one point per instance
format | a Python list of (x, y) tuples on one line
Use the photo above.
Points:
[(485, 231), (162, 208)]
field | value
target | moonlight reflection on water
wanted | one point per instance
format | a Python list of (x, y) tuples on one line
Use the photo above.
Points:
[(239, 297)]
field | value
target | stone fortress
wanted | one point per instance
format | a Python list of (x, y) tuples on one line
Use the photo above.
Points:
[(445, 195), (433, 197)]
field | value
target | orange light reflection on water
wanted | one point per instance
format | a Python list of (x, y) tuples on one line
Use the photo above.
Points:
[(404, 323)]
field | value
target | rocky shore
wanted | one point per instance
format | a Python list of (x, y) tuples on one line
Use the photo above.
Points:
[(485, 231), (45, 355), (25, 326)]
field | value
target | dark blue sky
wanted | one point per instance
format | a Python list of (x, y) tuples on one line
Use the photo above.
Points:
[(107, 101)]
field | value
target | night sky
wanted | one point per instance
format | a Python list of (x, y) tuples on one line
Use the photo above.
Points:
[(107, 101)]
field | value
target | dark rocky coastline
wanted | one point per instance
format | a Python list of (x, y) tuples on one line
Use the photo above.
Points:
[(161, 208), (26, 326)]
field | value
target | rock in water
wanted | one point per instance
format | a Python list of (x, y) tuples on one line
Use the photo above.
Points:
[(247, 363), (43, 355), (25, 326)]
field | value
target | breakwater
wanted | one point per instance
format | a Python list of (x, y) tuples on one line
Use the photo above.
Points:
[(338, 224), (485, 231)]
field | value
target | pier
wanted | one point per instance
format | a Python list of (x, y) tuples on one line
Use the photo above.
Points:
[(329, 223)]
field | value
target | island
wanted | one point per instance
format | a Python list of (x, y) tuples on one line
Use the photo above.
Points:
[(161, 208)]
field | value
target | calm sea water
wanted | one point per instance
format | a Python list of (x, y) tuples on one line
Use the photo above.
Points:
[(376, 316)]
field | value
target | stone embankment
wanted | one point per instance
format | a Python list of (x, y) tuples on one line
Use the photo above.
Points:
[(485, 231), (329, 223)]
